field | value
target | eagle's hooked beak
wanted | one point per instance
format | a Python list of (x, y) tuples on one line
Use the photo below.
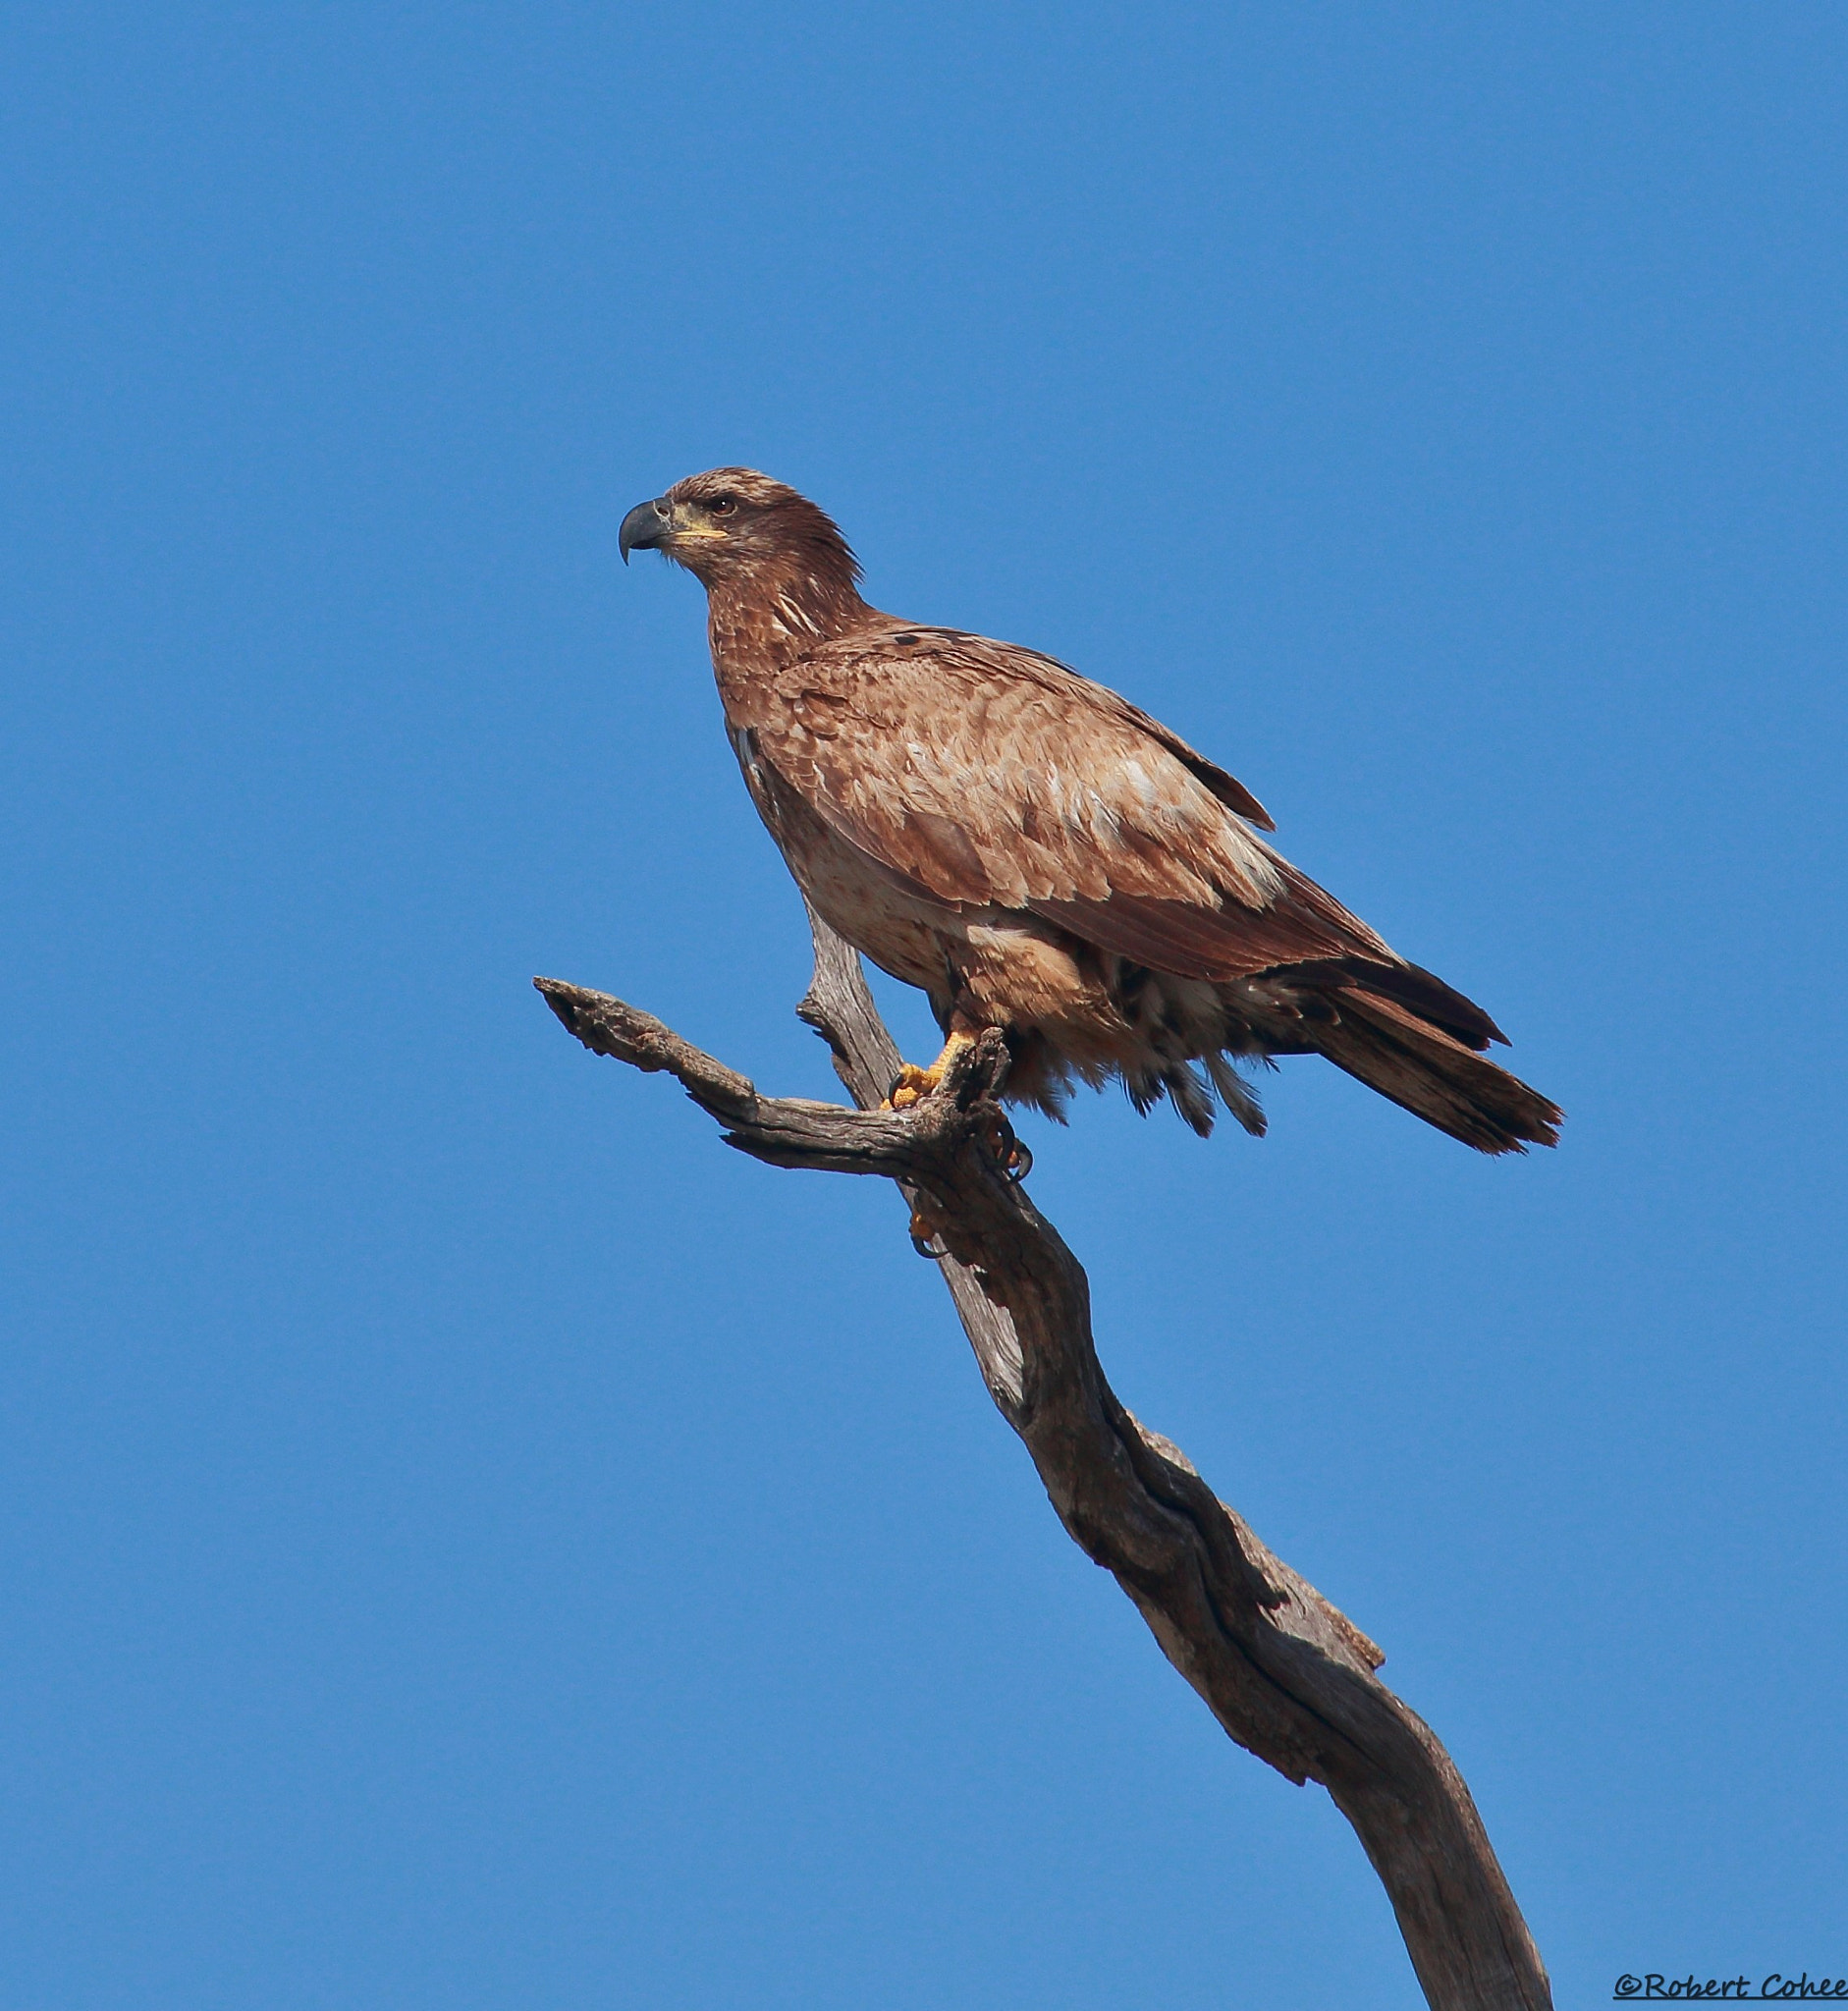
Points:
[(642, 529)]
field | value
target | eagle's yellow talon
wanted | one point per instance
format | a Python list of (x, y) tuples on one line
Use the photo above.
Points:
[(912, 1084)]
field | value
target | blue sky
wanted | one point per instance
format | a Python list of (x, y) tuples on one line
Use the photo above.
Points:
[(470, 1541)]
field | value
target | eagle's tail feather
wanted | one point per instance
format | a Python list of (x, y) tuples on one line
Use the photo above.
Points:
[(1432, 1074)]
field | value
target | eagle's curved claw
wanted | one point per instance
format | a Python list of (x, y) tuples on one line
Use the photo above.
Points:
[(925, 1240), (905, 1088), (1014, 1157)]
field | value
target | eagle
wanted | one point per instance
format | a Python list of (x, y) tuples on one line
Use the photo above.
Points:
[(1039, 855)]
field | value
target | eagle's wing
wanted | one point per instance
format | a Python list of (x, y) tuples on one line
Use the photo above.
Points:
[(979, 773)]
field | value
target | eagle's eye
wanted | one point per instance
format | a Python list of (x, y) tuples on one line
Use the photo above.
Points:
[(722, 506)]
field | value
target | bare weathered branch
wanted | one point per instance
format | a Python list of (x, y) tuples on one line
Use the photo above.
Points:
[(1289, 1677)]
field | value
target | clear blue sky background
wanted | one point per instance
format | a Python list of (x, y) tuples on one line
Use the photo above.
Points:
[(469, 1540)]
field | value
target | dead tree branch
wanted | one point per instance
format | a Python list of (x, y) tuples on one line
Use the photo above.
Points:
[(1289, 1677)]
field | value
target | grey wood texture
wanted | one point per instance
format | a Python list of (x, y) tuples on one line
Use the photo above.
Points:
[(1289, 1677)]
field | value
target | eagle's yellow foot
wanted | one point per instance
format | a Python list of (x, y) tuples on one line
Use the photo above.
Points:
[(912, 1084), (925, 1239)]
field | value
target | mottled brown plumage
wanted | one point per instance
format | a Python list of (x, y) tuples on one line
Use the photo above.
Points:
[(1037, 854)]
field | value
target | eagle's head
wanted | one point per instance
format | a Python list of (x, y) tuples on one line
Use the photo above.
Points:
[(731, 526)]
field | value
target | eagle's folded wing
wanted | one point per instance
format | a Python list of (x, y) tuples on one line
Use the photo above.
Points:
[(988, 774)]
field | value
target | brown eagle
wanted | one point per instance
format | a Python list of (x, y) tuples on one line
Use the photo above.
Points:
[(1037, 854)]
